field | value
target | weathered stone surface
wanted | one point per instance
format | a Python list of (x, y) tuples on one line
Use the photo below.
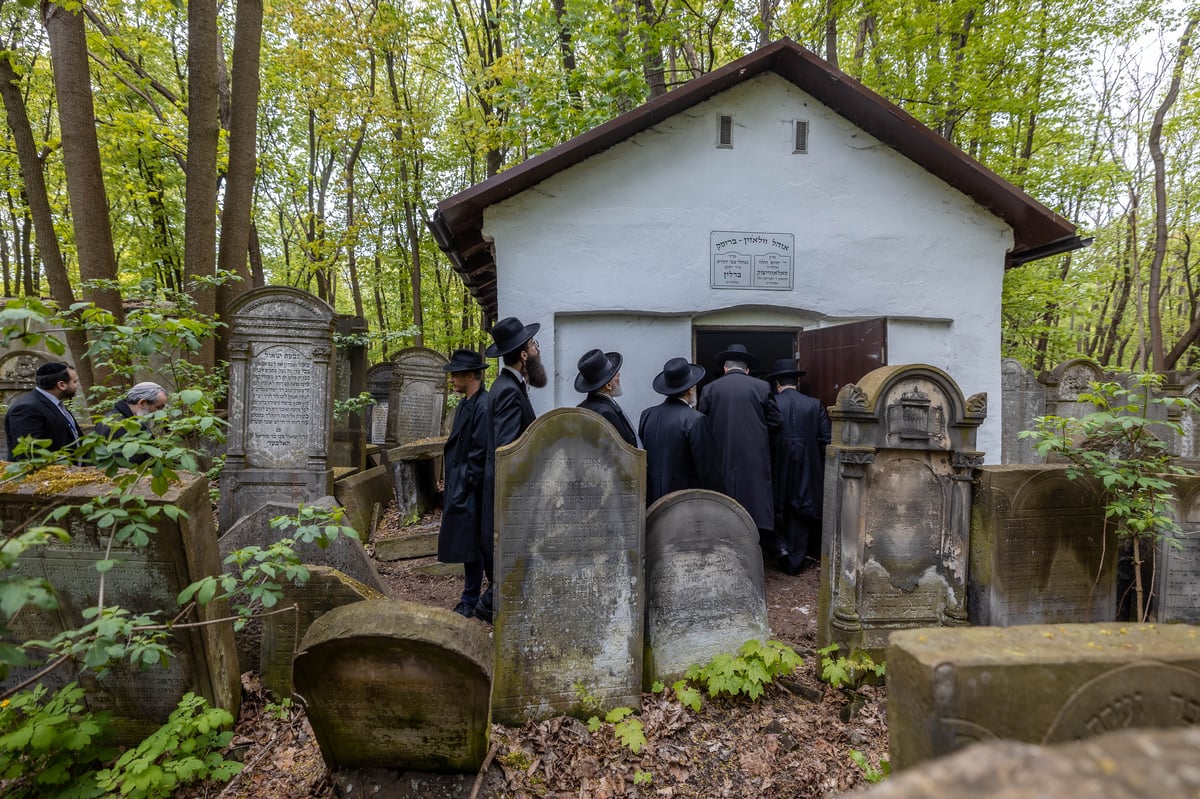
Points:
[(1037, 683), (441, 569), (363, 496), (1038, 551), (325, 590), (406, 547), (143, 580), (1066, 382), (350, 380), (418, 395), (571, 531), (379, 385), (1022, 399), (1132, 764), (1179, 568), (704, 583), (280, 401), (415, 469), (397, 685), (390, 784), (897, 506)]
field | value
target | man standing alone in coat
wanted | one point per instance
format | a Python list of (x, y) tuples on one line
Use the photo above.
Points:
[(511, 410), (798, 463), (679, 451), (467, 499), (600, 378), (742, 416)]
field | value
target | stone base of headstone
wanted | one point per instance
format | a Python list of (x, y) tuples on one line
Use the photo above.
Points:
[(415, 469), (406, 547), (441, 570), (1038, 683), (362, 496), (244, 491), (395, 684)]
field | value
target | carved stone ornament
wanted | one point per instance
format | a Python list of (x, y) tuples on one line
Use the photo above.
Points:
[(977, 404), (915, 418), (853, 398), (966, 460)]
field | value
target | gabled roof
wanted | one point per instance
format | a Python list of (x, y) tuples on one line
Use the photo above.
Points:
[(1038, 232)]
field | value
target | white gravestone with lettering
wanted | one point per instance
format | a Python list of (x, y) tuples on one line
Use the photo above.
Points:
[(418, 397), (379, 385), (704, 583), (280, 401), (570, 532)]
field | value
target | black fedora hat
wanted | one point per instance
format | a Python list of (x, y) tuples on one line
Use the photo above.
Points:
[(595, 369), (509, 334), (737, 352), (465, 361), (786, 367), (678, 376)]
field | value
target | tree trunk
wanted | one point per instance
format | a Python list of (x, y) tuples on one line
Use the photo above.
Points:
[(81, 158), (652, 59), (831, 52), (39, 210), (566, 52), (200, 197)]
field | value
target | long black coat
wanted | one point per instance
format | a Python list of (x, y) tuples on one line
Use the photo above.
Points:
[(35, 414), (798, 455), (511, 410), (742, 415), (467, 499), (679, 450), (607, 407)]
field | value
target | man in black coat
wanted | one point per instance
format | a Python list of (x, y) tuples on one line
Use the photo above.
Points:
[(142, 400), (467, 499), (600, 378), (742, 416), (798, 467), (511, 410), (40, 413), (679, 452)]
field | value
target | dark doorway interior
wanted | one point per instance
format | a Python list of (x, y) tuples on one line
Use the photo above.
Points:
[(766, 344)]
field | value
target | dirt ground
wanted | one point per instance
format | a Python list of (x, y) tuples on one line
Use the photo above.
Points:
[(793, 742)]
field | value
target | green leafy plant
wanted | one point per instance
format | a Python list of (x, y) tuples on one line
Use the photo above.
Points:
[(642, 778), (687, 695), (50, 744), (626, 727), (281, 710), (343, 408), (849, 672), (870, 773), (1116, 446), (746, 673)]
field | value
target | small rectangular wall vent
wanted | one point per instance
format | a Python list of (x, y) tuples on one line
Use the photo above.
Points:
[(725, 131), (800, 136)]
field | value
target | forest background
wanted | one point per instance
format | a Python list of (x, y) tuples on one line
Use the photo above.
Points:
[(151, 146)]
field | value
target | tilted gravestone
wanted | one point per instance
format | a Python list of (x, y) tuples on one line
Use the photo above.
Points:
[(1038, 549), (398, 685), (704, 583), (363, 496), (1178, 566), (570, 533), (1036, 683), (204, 659), (324, 590), (350, 380), (379, 385), (1022, 399), (418, 398), (280, 401), (897, 506)]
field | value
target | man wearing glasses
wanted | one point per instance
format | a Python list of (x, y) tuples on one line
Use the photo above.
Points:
[(142, 400)]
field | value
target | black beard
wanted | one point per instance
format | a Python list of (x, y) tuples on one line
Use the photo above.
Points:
[(535, 373)]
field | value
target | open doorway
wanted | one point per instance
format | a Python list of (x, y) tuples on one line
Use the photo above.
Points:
[(765, 344)]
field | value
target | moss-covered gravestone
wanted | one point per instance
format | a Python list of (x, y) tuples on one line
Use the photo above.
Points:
[(394, 684), (704, 582), (570, 499)]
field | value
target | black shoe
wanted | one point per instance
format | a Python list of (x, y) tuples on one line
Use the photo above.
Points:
[(466, 608), (483, 611)]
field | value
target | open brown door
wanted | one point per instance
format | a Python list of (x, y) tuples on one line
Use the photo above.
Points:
[(835, 356)]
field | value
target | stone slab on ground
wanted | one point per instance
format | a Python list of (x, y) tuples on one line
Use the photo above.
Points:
[(406, 547), (363, 495), (1037, 683)]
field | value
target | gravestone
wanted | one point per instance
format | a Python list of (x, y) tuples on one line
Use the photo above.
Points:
[(897, 506), (204, 659), (350, 380), (1038, 549), (704, 583), (396, 684), (1036, 683), (1022, 399), (379, 385), (415, 470), (1066, 382), (325, 590), (280, 401), (570, 593), (1179, 567), (363, 496), (418, 398)]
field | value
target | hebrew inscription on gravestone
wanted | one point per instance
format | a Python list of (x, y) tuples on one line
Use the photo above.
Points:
[(418, 396)]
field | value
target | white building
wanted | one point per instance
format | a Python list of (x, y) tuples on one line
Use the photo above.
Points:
[(772, 202)]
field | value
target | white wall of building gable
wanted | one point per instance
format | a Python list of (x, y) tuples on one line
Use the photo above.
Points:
[(627, 232)]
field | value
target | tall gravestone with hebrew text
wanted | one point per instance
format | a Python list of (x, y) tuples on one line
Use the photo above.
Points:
[(280, 401), (700, 538), (379, 386), (1178, 567), (418, 398), (897, 510), (570, 496)]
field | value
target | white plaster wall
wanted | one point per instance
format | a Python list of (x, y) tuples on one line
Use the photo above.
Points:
[(626, 234)]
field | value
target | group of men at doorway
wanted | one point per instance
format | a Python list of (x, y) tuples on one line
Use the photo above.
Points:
[(761, 443)]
